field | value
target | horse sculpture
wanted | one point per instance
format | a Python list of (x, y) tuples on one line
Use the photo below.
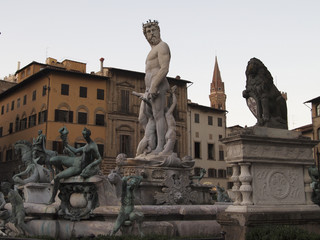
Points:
[(35, 172), (44, 155)]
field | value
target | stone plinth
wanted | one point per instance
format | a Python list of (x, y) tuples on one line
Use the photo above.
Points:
[(270, 177), (178, 220), (37, 192), (167, 185), (79, 196)]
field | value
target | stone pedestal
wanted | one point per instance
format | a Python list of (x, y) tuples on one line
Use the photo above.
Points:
[(79, 196), (270, 173), (37, 192), (167, 185)]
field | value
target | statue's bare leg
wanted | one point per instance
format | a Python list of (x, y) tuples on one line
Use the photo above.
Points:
[(69, 172), (120, 220), (137, 217), (158, 105)]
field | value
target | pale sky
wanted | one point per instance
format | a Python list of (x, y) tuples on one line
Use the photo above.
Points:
[(283, 34)]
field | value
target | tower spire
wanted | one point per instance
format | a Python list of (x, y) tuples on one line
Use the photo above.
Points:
[(217, 94)]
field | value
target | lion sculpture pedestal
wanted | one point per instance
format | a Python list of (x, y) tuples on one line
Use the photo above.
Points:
[(271, 180)]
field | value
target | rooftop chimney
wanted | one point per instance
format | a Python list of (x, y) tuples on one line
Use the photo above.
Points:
[(101, 65), (18, 66)]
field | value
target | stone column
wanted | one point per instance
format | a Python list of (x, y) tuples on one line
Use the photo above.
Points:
[(246, 188), (307, 188), (236, 184)]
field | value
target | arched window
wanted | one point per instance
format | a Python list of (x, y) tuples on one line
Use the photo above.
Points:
[(318, 110), (82, 115), (17, 124), (63, 113)]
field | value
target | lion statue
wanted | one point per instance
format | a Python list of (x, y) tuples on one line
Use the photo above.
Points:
[(270, 107)]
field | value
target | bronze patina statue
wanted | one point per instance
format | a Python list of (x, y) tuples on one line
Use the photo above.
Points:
[(34, 173), (127, 213), (263, 98), (18, 211), (85, 165), (314, 174)]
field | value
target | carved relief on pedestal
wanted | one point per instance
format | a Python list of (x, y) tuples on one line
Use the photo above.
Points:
[(278, 184), (158, 174), (176, 190)]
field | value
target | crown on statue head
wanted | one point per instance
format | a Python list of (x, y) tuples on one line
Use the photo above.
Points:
[(150, 23)]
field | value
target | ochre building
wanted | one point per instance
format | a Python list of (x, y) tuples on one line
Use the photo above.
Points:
[(56, 94)]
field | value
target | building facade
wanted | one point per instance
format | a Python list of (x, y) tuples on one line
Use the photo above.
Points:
[(56, 94), (315, 115), (206, 126)]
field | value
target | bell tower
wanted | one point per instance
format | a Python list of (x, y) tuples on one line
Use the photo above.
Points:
[(217, 95)]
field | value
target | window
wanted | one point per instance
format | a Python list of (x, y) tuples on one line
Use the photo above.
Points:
[(42, 117), (63, 116), (221, 155), (9, 155), (1, 130), (212, 173), (17, 123), (318, 133), (222, 173), (197, 135), (197, 171), (100, 94), (82, 118), (24, 99), (125, 144), (101, 149), (12, 105), (197, 150), (18, 102), (220, 136), (64, 89), (2, 110), (83, 92), (57, 146), (210, 120), (44, 90), (34, 95), (100, 119), (196, 118), (0, 156), (229, 171), (32, 120), (219, 122), (210, 151), (124, 101), (10, 128), (318, 110), (23, 123), (7, 107)]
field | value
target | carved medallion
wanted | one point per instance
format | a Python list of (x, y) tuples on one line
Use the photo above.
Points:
[(279, 184)]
